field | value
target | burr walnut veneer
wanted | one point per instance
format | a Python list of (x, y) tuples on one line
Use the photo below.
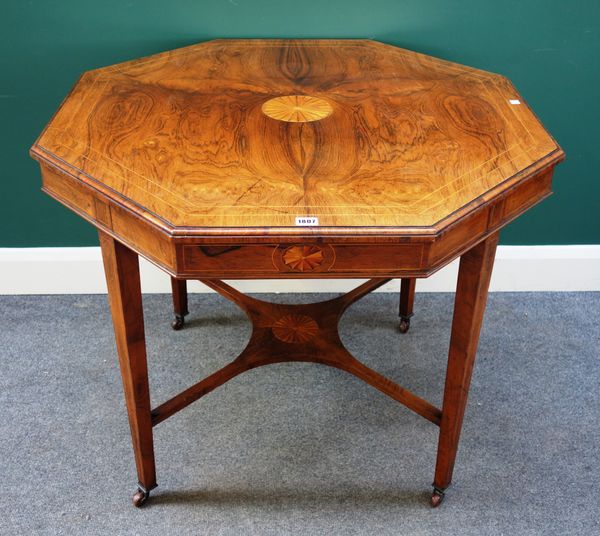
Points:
[(245, 159)]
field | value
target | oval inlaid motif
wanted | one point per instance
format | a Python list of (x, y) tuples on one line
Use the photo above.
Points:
[(303, 258), (295, 328), (297, 108)]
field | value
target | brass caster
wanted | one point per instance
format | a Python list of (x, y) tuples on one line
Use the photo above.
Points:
[(178, 322), (404, 324), (140, 497), (437, 497)]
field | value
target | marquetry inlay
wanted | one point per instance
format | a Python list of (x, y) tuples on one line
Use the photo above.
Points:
[(251, 134), (207, 162), (303, 258), (295, 328), (297, 108)]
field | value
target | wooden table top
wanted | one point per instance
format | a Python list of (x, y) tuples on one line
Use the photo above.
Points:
[(241, 134)]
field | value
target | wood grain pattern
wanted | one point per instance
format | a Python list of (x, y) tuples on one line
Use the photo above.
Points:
[(474, 276), (407, 300), (123, 280), (303, 333), (180, 302), (201, 158), (182, 137)]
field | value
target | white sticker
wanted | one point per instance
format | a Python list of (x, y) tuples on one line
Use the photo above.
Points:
[(307, 221), (514, 101)]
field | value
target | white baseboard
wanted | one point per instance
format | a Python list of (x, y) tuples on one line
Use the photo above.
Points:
[(517, 268)]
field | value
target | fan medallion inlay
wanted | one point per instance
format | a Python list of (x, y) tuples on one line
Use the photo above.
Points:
[(295, 328), (303, 258), (297, 108)]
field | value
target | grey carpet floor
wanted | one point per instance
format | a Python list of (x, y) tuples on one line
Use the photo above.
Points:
[(301, 448)]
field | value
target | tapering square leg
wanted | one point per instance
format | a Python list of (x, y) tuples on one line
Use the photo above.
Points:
[(121, 267), (407, 299), (180, 302), (471, 295)]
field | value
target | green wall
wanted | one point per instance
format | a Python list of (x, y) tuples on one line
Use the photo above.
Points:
[(550, 49)]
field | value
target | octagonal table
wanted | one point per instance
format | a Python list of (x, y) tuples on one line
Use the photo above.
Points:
[(248, 159)]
